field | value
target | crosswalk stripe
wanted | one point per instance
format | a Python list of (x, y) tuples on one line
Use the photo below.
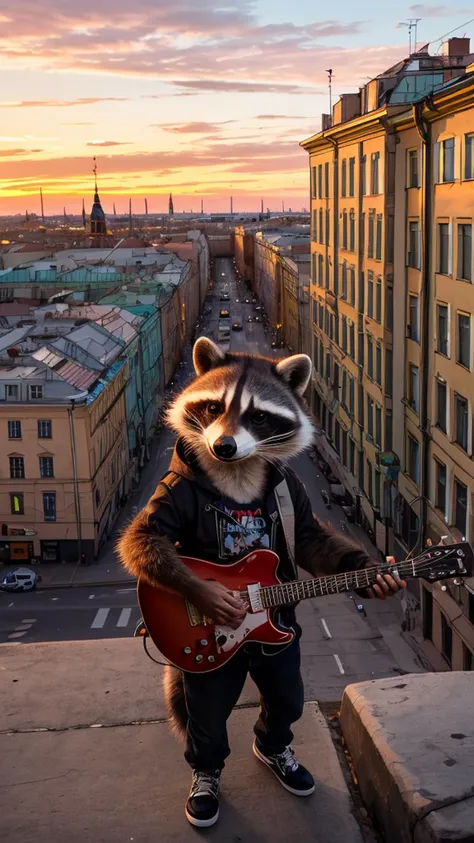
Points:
[(124, 617), (100, 618)]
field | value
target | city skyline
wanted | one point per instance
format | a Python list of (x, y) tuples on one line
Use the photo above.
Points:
[(206, 102)]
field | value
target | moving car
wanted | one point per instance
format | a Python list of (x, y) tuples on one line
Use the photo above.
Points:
[(236, 326), (22, 579), (225, 297), (224, 314), (249, 318), (223, 331), (247, 301)]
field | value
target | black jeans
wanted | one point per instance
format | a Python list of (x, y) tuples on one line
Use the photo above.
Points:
[(210, 698)]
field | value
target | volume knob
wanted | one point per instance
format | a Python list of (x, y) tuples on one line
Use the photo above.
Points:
[(199, 658), (203, 642), (187, 651)]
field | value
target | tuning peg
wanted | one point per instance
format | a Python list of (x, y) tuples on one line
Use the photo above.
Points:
[(457, 582)]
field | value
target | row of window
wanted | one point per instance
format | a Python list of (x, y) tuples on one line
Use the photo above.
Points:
[(17, 504), (445, 160), (17, 467), (12, 392), (453, 504), (320, 178), (463, 269), (457, 411), (370, 300), (321, 231), (462, 334), (45, 429)]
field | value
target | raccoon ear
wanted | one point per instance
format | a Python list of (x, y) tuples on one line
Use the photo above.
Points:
[(206, 355), (296, 372)]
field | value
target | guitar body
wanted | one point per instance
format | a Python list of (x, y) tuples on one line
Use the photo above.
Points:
[(196, 644)]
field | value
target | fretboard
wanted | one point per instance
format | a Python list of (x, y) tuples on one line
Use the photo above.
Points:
[(291, 592)]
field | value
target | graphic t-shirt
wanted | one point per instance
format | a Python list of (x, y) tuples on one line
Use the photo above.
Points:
[(242, 528)]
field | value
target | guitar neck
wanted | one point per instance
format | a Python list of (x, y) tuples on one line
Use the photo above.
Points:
[(292, 592)]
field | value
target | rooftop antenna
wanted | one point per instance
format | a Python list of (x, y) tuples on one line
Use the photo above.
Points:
[(42, 206), (202, 206), (146, 207), (94, 170), (115, 212), (231, 205), (130, 214), (261, 206), (410, 23), (330, 75)]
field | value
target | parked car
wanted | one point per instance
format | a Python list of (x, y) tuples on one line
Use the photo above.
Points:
[(237, 326), (22, 579), (249, 318), (225, 297), (247, 301)]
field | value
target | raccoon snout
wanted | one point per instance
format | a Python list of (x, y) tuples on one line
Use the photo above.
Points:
[(225, 447)]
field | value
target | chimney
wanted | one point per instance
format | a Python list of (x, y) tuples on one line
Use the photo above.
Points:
[(456, 47)]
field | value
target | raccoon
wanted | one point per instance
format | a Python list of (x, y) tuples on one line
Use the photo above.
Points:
[(241, 414)]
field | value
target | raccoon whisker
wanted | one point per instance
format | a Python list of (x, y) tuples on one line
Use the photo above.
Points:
[(277, 437)]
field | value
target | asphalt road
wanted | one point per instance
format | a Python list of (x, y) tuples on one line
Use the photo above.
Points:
[(340, 643)]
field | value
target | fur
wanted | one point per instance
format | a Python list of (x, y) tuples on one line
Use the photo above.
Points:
[(175, 701)]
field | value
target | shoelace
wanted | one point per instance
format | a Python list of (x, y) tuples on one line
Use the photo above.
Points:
[(205, 784), (286, 760)]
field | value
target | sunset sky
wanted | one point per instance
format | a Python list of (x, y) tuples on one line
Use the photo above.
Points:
[(201, 97)]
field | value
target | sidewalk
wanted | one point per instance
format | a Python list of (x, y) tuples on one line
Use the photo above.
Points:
[(101, 764)]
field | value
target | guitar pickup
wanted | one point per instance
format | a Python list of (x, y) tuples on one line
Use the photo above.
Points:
[(255, 599), (195, 617)]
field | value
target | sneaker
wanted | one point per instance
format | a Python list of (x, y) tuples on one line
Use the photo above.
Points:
[(202, 806), (293, 776)]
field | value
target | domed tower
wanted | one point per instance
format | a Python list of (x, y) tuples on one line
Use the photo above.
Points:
[(98, 223)]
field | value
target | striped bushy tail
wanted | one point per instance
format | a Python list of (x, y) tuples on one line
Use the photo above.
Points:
[(175, 701)]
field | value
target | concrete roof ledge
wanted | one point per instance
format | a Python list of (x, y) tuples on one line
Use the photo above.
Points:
[(412, 743)]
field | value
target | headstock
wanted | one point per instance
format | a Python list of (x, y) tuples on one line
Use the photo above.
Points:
[(441, 562)]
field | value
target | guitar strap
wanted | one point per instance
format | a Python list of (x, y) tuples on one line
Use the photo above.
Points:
[(287, 515)]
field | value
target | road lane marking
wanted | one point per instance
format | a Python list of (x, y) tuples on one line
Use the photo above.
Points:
[(100, 618), (23, 626), (326, 628), (339, 663), (55, 598), (29, 620), (125, 590), (124, 617), (91, 596), (17, 634)]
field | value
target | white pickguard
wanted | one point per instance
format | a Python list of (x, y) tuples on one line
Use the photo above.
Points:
[(251, 621)]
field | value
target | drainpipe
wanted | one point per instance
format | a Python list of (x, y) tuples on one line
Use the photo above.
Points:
[(77, 502), (336, 215), (424, 131)]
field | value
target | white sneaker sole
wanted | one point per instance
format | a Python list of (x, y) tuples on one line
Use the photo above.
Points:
[(201, 823), (262, 758)]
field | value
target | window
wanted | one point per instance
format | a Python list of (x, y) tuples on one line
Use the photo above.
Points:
[(344, 388), (361, 405), (464, 269), (352, 457), (344, 334), (370, 476), (44, 429), (370, 357), (427, 614), (326, 180), (388, 372), (413, 388), (443, 248), (46, 467), (344, 229), (17, 467), (12, 392), (328, 366), (321, 231), (352, 162), (388, 430), (344, 447), (469, 156), (414, 244), (337, 437), (363, 175), (321, 270), (362, 234), (370, 294), (374, 172), (335, 378), (461, 414), (413, 318), (352, 341), (378, 426), (17, 503), (344, 177), (460, 506), (378, 364), (440, 486), (351, 394), (413, 466), (313, 271), (35, 393), (378, 238), (344, 281), (328, 227), (443, 328), (389, 307), (412, 168), (370, 416), (14, 430), (320, 181), (49, 506), (441, 406), (315, 225), (447, 170), (352, 281), (370, 245), (463, 356), (313, 182), (446, 639), (352, 230), (378, 300)]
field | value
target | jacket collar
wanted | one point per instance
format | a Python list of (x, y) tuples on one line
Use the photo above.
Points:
[(185, 463)]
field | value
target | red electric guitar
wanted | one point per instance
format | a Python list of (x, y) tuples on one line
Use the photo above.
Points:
[(195, 643)]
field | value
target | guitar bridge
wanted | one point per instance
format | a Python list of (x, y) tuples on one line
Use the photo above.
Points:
[(195, 617)]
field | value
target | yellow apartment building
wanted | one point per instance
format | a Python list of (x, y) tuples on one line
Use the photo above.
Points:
[(433, 324)]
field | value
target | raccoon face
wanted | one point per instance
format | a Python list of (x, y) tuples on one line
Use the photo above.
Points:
[(241, 406)]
